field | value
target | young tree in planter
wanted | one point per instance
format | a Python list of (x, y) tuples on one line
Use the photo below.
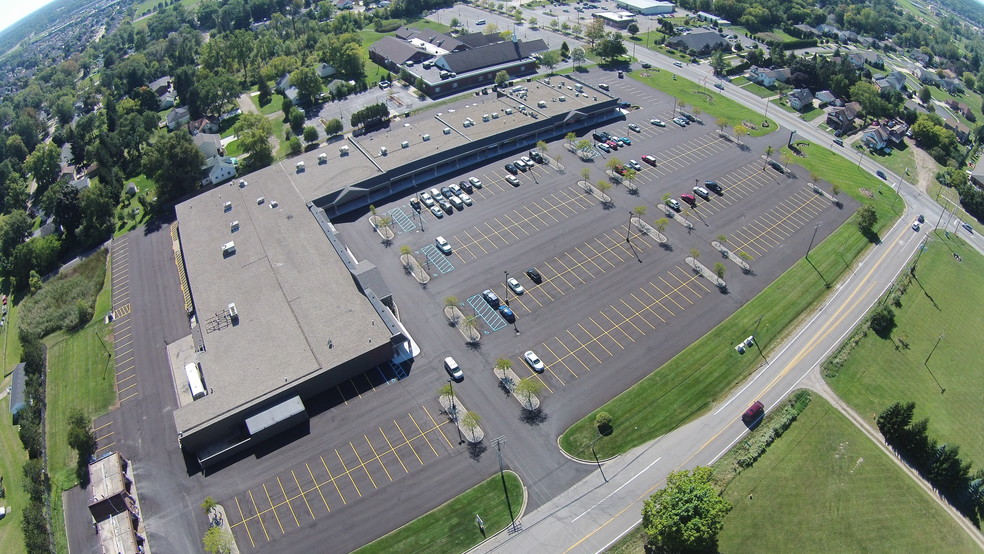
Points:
[(526, 390)]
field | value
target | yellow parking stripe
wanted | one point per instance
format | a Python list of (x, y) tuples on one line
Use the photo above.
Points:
[(287, 501), (407, 442), (315, 481), (275, 515), (258, 518), (245, 526), (338, 490), (349, 473), (393, 450)]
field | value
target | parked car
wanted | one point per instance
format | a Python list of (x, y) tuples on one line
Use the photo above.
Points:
[(491, 298), (646, 65), (466, 186), (613, 144), (753, 414), (649, 160), (446, 191), (777, 166), (436, 194), (455, 189), (512, 180), (520, 165), (713, 185), (475, 181), (526, 161), (384, 84), (426, 198), (635, 127), (537, 157), (445, 205), (457, 203), (680, 121), (511, 169), (658, 122), (689, 199), (415, 204), (702, 192), (534, 361), (534, 275), (603, 147), (624, 140), (443, 245), (466, 198), (507, 313), (515, 286), (620, 169), (634, 165), (673, 204), (438, 213)]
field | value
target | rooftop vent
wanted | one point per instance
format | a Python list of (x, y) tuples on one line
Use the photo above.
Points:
[(382, 151), (234, 226), (405, 144), (260, 200), (227, 207), (274, 204), (229, 248), (343, 150), (425, 138), (447, 130)]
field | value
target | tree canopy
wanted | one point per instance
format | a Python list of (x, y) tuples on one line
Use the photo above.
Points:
[(175, 164), (686, 515)]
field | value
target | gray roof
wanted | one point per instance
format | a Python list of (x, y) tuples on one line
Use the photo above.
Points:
[(394, 50), (475, 40), (18, 396), (706, 40), (493, 54), (442, 40)]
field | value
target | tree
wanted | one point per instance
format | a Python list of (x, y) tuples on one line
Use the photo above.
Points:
[(174, 163), (294, 146), (254, 132), (526, 390), (565, 50), (471, 421), (603, 188), (740, 131), (501, 78), (595, 31), (718, 62), (296, 119), (719, 270), (541, 147), (639, 211), (503, 364), (613, 163), (585, 174), (883, 320), (14, 228), (333, 127), (208, 505), (308, 84), (686, 515), (866, 218), (661, 224), (633, 28), (925, 95), (240, 45), (610, 47), (265, 92), (217, 540), (578, 56), (45, 164), (550, 59), (310, 133), (694, 253)]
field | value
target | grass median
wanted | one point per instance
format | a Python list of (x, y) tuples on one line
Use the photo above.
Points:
[(452, 527), (688, 384)]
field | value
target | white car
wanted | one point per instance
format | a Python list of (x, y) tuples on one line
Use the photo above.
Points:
[(455, 189), (534, 361), (512, 180), (673, 204), (515, 286), (657, 122), (520, 165), (477, 183), (426, 199), (526, 160), (443, 245), (466, 199), (635, 127), (702, 192), (635, 165), (438, 212)]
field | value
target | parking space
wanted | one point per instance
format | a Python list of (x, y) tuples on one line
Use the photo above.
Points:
[(126, 374), (343, 474), (775, 226)]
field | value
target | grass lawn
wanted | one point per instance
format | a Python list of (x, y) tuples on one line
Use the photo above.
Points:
[(452, 527), (690, 382), (145, 187), (812, 113), (897, 160), (275, 105), (938, 191), (12, 458), (233, 149), (878, 372), (824, 487), (758, 90), (782, 103), (710, 103)]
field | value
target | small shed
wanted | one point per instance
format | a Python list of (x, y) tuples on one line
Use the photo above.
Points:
[(18, 396)]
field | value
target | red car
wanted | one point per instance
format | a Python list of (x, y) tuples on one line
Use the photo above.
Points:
[(613, 144), (753, 414), (689, 199), (620, 169), (649, 160)]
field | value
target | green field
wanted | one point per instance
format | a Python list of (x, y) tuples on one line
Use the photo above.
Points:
[(824, 487), (693, 380), (811, 114), (707, 100), (12, 458), (275, 105), (898, 161), (754, 88), (452, 527), (945, 301)]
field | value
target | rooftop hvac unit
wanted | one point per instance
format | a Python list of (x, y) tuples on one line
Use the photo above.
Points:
[(322, 158), (405, 144), (260, 200), (447, 130), (227, 207), (485, 117), (299, 166), (229, 248), (562, 99), (495, 115), (541, 104), (382, 151), (242, 183), (343, 150), (426, 138), (274, 204), (233, 312), (234, 226), (466, 123), (508, 111)]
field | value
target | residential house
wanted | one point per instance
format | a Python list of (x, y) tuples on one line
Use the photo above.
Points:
[(825, 97), (977, 175), (160, 86), (856, 59), (847, 36), (896, 130), (828, 30), (893, 81), (800, 99), (324, 70), (81, 184), (875, 138), (18, 396), (703, 43), (859, 59), (167, 100), (962, 108), (953, 86), (218, 169), (203, 125), (210, 144), (177, 117), (768, 77), (805, 31), (919, 57), (842, 118), (958, 128), (344, 4), (928, 77)]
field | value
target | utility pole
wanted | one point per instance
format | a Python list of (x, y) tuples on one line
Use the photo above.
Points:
[(497, 442), (815, 229), (860, 155)]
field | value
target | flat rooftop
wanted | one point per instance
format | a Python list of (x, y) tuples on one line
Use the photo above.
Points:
[(106, 478), (365, 160), (116, 534), (293, 295)]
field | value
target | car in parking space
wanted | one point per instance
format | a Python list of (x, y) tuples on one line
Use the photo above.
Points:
[(446, 191), (455, 189), (534, 275), (603, 147), (603, 86), (466, 198), (475, 182), (967, 227), (427, 199), (466, 186), (515, 286), (713, 185), (634, 165), (753, 414), (719, 86), (649, 160), (457, 203), (613, 144), (443, 245), (673, 204), (438, 213), (777, 166), (453, 369), (658, 122), (507, 313), (512, 180), (511, 169), (620, 169), (599, 137), (624, 140), (680, 121), (536, 156), (527, 161), (689, 199), (415, 204), (635, 127), (384, 84), (702, 192), (445, 205), (520, 165), (646, 65), (881, 174), (436, 194), (915, 225), (491, 298), (533, 361)]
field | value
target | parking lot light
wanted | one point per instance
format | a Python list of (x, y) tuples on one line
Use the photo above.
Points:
[(505, 297)]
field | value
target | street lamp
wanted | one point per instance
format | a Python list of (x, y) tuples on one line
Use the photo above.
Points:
[(628, 229), (505, 298), (454, 411), (815, 229)]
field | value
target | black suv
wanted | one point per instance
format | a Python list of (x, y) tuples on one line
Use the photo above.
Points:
[(714, 186), (536, 157), (534, 275)]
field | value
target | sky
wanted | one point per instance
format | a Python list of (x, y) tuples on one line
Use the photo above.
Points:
[(12, 11)]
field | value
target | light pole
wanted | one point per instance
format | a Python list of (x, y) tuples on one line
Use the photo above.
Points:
[(860, 155), (505, 298), (789, 143), (628, 229), (808, 248), (454, 411)]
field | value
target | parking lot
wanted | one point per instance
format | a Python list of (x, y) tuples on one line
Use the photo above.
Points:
[(612, 303)]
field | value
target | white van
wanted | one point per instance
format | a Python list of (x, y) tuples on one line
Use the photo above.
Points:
[(480, 22), (453, 370)]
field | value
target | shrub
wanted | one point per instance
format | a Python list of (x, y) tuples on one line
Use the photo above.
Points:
[(66, 302), (603, 421), (883, 320)]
